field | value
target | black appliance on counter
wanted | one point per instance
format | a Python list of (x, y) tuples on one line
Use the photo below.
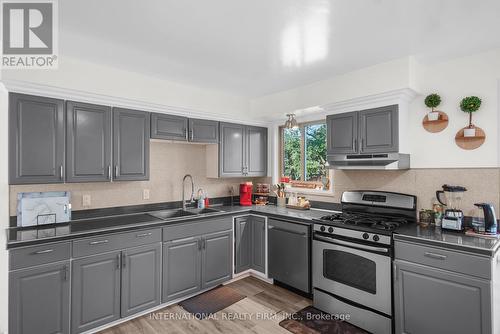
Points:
[(352, 257)]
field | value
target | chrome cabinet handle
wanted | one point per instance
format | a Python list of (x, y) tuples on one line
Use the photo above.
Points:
[(99, 242), (124, 260), (65, 273), (395, 268), (186, 134), (143, 235), (435, 256), (109, 172), (192, 134), (116, 171), (118, 261), (199, 244), (61, 172), (203, 243), (45, 251), (361, 146), (353, 144)]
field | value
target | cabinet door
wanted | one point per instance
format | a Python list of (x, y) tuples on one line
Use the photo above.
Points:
[(88, 142), (141, 276), (216, 259), (130, 144), (36, 139), (169, 127), (450, 303), (342, 133), (39, 300), (181, 268), (203, 131), (231, 149), (259, 244), (95, 291), (256, 151), (243, 252), (379, 130)]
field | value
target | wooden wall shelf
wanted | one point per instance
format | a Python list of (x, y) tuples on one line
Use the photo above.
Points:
[(436, 126), (470, 143)]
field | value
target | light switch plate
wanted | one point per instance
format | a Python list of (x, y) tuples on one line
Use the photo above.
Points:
[(145, 194), (86, 201)]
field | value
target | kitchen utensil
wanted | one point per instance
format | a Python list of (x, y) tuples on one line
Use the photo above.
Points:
[(246, 194), (485, 219), (453, 215)]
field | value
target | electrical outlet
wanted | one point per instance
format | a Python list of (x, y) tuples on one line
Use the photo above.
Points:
[(145, 194), (86, 201)]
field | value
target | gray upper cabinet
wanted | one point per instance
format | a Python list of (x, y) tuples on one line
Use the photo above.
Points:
[(36, 139), (131, 132), (242, 150), (141, 279), (181, 268), (169, 127), (451, 303), (231, 150), (259, 244), (203, 131), (256, 151), (243, 244), (364, 132), (95, 291), (216, 259), (39, 300), (88, 142), (379, 130), (342, 132)]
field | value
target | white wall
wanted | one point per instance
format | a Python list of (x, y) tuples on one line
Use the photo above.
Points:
[(453, 80), (4, 213)]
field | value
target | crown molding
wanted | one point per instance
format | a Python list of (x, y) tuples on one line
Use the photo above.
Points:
[(115, 101)]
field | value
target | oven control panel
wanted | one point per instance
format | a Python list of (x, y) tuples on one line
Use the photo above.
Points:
[(354, 234)]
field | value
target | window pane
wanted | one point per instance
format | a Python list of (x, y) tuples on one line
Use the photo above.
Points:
[(291, 154), (315, 154)]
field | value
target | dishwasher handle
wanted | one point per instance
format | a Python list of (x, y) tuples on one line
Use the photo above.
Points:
[(302, 234)]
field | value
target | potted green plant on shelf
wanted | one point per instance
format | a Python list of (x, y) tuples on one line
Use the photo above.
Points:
[(432, 101), (470, 104)]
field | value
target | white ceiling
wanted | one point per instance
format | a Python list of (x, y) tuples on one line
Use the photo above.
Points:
[(257, 47)]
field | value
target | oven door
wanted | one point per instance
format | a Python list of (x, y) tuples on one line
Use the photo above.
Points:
[(363, 277)]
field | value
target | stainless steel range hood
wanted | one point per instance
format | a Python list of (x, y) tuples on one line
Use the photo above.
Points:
[(378, 161)]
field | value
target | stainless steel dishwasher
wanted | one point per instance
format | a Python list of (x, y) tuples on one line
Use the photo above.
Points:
[(289, 247)]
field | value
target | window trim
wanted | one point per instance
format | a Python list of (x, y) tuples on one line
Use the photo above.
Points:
[(281, 166)]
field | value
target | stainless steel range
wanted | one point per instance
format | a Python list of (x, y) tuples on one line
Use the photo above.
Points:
[(352, 256)]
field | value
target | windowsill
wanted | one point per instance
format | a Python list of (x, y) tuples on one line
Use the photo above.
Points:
[(315, 192)]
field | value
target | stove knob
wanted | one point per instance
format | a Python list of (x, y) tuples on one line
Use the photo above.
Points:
[(365, 236), (330, 229), (376, 238), (322, 229)]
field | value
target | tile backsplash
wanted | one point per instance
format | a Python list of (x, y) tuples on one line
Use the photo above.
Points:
[(169, 163)]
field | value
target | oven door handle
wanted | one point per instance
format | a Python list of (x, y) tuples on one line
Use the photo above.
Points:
[(351, 244)]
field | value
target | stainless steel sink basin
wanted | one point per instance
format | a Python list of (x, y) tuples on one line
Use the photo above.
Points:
[(169, 214), (203, 211)]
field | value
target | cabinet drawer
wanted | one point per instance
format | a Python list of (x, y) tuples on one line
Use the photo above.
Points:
[(196, 228), (445, 259), (107, 243), (32, 256)]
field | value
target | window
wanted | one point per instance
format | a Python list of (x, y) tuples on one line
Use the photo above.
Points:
[(303, 156)]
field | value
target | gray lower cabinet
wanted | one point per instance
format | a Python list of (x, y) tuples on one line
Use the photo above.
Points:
[(259, 244), (88, 142), (342, 133), (169, 127), (216, 259), (242, 150), (131, 134), (39, 300), (432, 300), (36, 139), (95, 291), (141, 279), (243, 243), (203, 131), (181, 268)]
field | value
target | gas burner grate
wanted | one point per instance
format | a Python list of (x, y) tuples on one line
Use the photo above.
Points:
[(375, 222)]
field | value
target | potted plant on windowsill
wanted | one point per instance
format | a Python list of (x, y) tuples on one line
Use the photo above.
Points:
[(433, 101), (470, 104)]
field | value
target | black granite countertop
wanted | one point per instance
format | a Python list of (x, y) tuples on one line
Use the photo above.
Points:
[(435, 236), (18, 237)]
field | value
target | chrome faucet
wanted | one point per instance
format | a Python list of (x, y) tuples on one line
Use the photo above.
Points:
[(191, 201)]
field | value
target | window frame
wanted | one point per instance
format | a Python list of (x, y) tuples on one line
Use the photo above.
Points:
[(281, 165)]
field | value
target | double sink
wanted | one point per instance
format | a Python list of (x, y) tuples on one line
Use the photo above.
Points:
[(176, 213)]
